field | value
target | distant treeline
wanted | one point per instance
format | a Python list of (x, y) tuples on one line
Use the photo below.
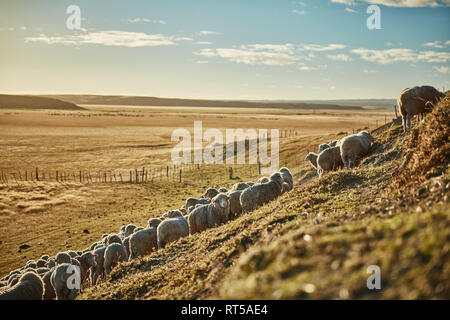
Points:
[(8, 101), (170, 102)]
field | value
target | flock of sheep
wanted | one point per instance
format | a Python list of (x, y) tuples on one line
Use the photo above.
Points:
[(340, 153), (48, 277)]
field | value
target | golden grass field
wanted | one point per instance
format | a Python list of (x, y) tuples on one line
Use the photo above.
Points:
[(51, 216)]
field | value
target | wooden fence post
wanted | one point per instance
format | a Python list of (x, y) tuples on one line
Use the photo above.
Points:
[(395, 109), (259, 167), (180, 175), (231, 173)]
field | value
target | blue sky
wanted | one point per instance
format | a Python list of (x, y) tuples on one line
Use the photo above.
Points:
[(225, 49)]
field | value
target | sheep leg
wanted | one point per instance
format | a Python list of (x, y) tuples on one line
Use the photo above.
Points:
[(408, 121)]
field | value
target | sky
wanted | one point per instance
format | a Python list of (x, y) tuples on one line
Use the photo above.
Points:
[(234, 49)]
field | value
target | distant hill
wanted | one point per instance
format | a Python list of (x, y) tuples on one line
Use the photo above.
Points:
[(8, 101), (172, 102)]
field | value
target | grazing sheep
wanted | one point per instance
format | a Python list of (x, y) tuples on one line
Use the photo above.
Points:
[(223, 190), (354, 147), (239, 186), (41, 263), (171, 214), (72, 254), (13, 279), (312, 158), (171, 230), (44, 257), (259, 194), (210, 193), (114, 238), (114, 254), (250, 183), (128, 230), (192, 202), (334, 143), (287, 178), (235, 204), (263, 180), (126, 244), (414, 101), (59, 280), (42, 270), (323, 146), (329, 160), (97, 269), (183, 211), (207, 216), (86, 261), (153, 222), (51, 263), (62, 257), (28, 287), (49, 291), (143, 242)]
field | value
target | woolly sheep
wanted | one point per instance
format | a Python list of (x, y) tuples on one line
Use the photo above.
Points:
[(259, 194), (13, 279), (153, 222), (97, 269), (210, 193), (207, 216), (143, 242), (72, 254), (223, 190), (263, 180), (235, 204), (334, 143), (41, 263), (126, 244), (323, 146), (239, 186), (329, 160), (312, 158), (192, 202), (114, 254), (171, 214), (287, 177), (171, 230), (49, 291), (129, 229), (250, 183), (44, 257), (86, 261), (114, 238), (51, 263), (62, 257), (28, 287), (354, 147), (59, 280)]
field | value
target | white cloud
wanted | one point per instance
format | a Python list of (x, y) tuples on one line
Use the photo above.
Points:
[(109, 38), (250, 56), (204, 42), (303, 67), (369, 71), (436, 44), (401, 55), (145, 20), (442, 69), (347, 2), (201, 61), (317, 47), (23, 28), (339, 57), (207, 32), (350, 10), (301, 12)]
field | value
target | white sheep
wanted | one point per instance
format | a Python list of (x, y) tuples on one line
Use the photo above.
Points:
[(171, 230), (114, 254), (223, 190), (262, 193), (210, 193), (239, 186), (152, 222), (207, 216), (329, 160), (28, 287), (62, 257), (49, 291), (235, 204), (263, 180), (323, 146), (312, 158), (354, 147), (287, 178), (60, 280), (143, 242), (114, 238), (97, 269)]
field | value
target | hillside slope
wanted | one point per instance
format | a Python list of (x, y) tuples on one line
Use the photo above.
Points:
[(318, 240), (8, 101)]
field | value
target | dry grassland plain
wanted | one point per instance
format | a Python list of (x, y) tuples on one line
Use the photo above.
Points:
[(51, 216)]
